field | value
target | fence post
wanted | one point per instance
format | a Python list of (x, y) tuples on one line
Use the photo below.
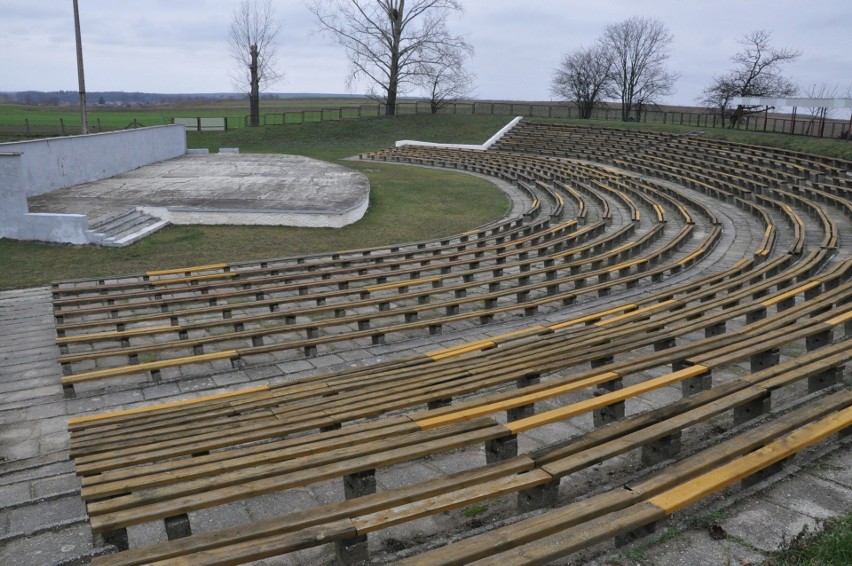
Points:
[(62, 126), (27, 123), (98, 120)]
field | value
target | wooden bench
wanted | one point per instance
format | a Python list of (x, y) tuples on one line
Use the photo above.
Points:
[(584, 523), (555, 464), (312, 341)]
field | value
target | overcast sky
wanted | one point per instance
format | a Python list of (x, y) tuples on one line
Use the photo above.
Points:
[(176, 46)]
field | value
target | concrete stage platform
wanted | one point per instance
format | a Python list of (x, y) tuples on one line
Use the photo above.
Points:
[(223, 188)]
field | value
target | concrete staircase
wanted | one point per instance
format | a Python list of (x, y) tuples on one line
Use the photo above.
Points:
[(123, 228)]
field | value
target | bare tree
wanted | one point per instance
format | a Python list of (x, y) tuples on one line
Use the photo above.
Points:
[(251, 41), (445, 80), (819, 114), (582, 77), (756, 73), (650, 89), (390, 43), (639, 48)]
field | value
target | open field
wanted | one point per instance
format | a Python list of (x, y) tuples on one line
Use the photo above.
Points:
[(120, 117)]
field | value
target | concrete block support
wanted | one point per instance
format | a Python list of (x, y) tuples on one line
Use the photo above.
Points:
[(610, 413), (178, 526), (716, 329), (523, 411), (359, 484), (818, 340), (825, 379), (752, 409), (538, 497), (501, 449), (354, 551), (641, 532), (765, 359), (697, 384), (756, 315), (600, 362), (660, 450), (758, 477), (438, 403)]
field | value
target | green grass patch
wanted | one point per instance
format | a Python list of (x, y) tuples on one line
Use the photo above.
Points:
[(332, 140), (475, 510), (830, 544)]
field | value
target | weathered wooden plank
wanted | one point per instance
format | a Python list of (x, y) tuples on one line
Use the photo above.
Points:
[(563, 413), (290, 522), (208, 492)]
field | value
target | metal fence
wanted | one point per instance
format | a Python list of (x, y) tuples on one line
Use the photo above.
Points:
[(34, 130), (802, 125)]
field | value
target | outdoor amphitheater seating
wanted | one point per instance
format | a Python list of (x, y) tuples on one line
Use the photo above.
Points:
[(640, 215)]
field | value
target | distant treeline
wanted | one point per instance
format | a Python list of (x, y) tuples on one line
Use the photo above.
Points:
[(112, 98)]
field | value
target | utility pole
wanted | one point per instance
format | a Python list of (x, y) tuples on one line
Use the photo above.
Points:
[(254, 96), (84, 118)]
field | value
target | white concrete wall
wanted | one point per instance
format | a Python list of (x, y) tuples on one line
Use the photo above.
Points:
[(35, 167), (50, 164), (13, 199)]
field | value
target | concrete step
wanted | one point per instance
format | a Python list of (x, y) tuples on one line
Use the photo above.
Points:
[(140, 231), (123, 228), (112, 221)]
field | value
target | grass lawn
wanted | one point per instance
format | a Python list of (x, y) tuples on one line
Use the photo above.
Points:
[(829, 545), (406, 204)]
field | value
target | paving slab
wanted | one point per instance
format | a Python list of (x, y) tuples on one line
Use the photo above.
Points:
[(765, 525), (698, 548)]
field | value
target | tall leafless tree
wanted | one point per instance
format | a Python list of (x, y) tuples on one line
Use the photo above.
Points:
[(445, 79), (251, 41), (390, 43), (639, 48), (756, 73), (582, 77)]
